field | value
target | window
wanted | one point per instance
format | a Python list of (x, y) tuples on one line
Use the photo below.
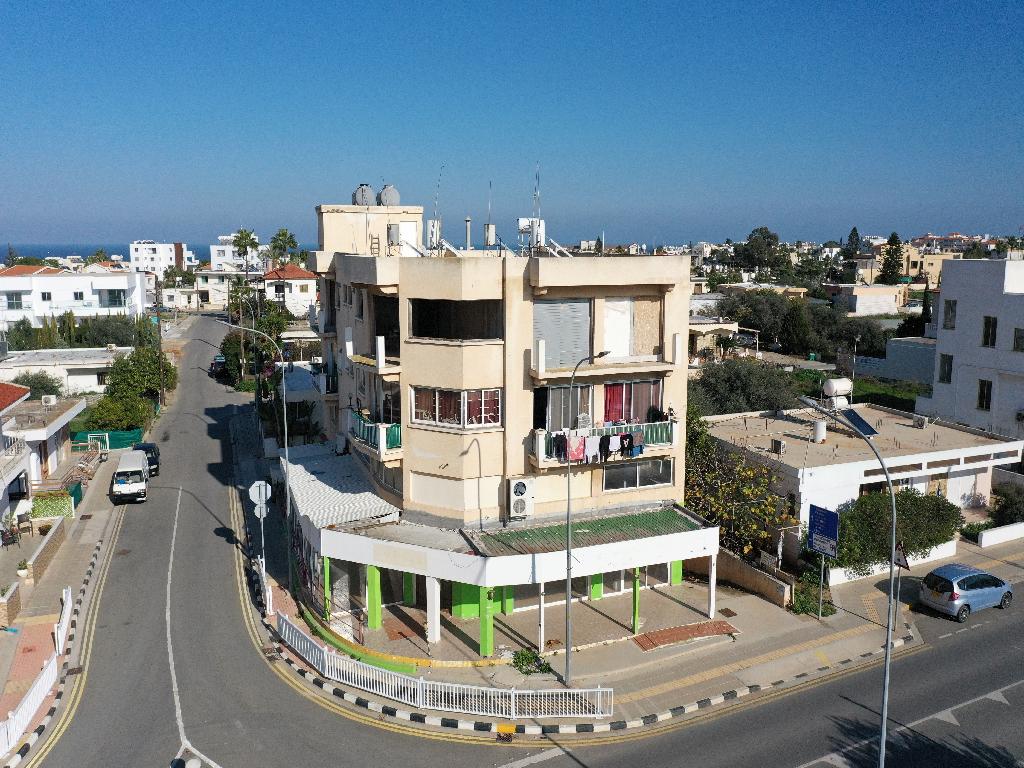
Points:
[(551, 407), (632, 327), (46, 296), (984, 395), (453, 408), (359, 303), (279, 290), (945, 369), (564, 324), (637, 402), (1018, 339), (949, 314), (14, 301), (101, 379), (638, 474), (456, 320), (204, 279), (79, 295), (988, 332), (303, 288), (347, 295), (116, 298)]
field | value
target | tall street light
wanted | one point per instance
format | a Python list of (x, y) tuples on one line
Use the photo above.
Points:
[(287, 463), (568, 526), (892, 567)]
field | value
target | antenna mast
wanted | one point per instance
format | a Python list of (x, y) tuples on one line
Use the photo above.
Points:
[(437, 199)]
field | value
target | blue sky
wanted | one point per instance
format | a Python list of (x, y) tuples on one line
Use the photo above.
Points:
[(654, 122)]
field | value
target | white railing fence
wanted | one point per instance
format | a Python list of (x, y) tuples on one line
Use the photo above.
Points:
[(60, 629), (507, 703), (19, 719), (264, 582)]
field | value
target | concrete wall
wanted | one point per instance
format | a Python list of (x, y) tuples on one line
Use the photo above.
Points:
[(838, 576), (733, 569), (909, 359), (46, 551), (10, 605), (1001, 535)]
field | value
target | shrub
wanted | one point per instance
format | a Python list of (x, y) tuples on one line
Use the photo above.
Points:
[(44, 529), (971, 531), (22, 565), (528, 662), (805, 595), (120, 413), (1009, 507), (40, 382)]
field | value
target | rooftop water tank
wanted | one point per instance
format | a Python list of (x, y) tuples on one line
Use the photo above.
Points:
[(388, 196), (820, 430), (363, 195), (838, 387)]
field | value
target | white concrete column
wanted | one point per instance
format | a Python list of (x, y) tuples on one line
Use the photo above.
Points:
[(538, 444), (712, 584), (538, 357), (433, 610), (380, 353), (540, 620)]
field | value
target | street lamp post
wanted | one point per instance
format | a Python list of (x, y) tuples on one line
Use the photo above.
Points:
[(892, 570), (287, 463), (853, 366), (568, 527)]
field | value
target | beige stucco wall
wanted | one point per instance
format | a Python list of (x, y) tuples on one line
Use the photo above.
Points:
[(349, 228)]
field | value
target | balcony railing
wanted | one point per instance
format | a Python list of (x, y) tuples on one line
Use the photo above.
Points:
[(327, 383), (372, 434), (656, 434)]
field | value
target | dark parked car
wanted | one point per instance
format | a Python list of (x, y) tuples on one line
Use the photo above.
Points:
[(152, 452)]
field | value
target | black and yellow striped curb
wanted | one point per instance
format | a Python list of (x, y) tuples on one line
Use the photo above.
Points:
[(62, 677)]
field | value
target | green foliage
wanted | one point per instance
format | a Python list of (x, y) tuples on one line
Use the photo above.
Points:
[(51, 504), (971, 531), (41, 383), (175, 276), (282, 244), (30, 261), (795, 334), (976, 251), (901, 395), (138, 374), (1009, 504), (21, 335), (852, 248), (739, 384), (98, 255), (805, 595), (761, 251), (528, 662), (922, 522), (892, 261), (121, 413), (731, 492)]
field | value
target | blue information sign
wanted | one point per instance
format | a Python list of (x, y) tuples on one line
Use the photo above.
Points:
[(823, 532)]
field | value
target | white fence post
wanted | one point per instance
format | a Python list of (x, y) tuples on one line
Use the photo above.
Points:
[(419, 692)]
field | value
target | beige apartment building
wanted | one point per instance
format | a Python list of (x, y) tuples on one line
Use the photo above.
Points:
[(447, 402)]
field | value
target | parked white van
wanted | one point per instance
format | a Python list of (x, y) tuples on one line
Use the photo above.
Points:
[(131, 478)]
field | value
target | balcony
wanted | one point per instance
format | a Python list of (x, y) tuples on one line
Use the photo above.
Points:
[(14, 452), (327, 384), (660, 439), (327, 322), (370, 436), (382, 363), (662, 363)]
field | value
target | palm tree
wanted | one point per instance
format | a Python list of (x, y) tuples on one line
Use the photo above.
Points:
[(244, 241), (282, 244)]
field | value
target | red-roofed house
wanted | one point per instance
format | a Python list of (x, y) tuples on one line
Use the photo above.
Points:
[(292, 287), (15, 457)]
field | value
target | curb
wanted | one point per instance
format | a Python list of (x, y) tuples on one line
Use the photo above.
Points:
[(37, 732)]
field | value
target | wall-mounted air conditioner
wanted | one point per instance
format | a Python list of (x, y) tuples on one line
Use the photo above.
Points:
[(520, 498), (49, 400), (778, 447)]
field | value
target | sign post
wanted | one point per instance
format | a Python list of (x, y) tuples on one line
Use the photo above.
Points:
[(259, 494), (901, 563), (823, 538)]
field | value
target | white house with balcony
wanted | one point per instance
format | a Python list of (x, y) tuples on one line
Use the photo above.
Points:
[(37, 293), (44, 427), (213, 286), (224, 256), (15, 460), (151, 256), (79, 369)]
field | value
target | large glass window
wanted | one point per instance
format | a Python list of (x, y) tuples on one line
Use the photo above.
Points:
[(632, 326), (559, 404), (453, 408), (984, 395), (988, 331), (637, 474), (945, 369), (14, 301), (457, 320), (638, 402), (949, 314)]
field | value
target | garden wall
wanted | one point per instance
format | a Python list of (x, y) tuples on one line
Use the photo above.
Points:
[(942, 551)]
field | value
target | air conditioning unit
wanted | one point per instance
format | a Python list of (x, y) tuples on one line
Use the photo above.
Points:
[(520, 498), (49, 400), (778, 447)]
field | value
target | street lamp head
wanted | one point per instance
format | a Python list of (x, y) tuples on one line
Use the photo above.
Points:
[(602, 353)]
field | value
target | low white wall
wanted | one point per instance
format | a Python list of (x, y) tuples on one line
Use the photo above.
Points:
[(1001, 476), (999, 535), (838, 576)]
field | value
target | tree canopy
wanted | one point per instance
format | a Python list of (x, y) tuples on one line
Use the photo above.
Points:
[(138, 374), (892, 261), (282, 244), (41, 383), (852, 248), (119, 413), (737, 384), (761, 251), (1009, 503)]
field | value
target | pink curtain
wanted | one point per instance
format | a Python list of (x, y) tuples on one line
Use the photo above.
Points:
[(613, 402)]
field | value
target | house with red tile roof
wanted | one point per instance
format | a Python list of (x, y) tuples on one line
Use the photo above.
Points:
[(292, 287)]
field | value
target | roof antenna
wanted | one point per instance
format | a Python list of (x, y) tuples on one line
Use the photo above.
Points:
[(437, 198), (490, 190), (536, 193)]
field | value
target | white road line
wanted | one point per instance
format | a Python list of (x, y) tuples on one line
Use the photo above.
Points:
[(185, 743), (534, 759), (943, 637), (946, 715)]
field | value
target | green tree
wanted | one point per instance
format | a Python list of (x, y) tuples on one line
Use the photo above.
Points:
[(761, 251), (112, 329), (123, 412), (740, 384), (231, 348), (852, 248), (138, 374), (97, 256), (67, 326), (892, 261), (729, 490), (795, 334), (175, 276), (41, 383), (976, 251), (282, 244), (48, 335), (922, 522), (926, 304), (21, 335), (1009, 502)]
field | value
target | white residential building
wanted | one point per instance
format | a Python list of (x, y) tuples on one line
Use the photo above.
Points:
[(15, 462), (37, 293), (214, 285), (224, 255), (151, 256), (292, 287), (45, 429), (81, 369), (979, 361)]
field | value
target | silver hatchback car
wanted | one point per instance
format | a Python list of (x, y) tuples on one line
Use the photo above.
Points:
[(957, 589)]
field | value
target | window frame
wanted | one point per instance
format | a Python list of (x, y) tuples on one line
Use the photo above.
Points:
[(984, 402), (945, 375), (1018, 339), (989, 331), (579, 388), (360, 303), (632, 399), (78, 296), (46, 296), (463, 408), (949, 315), (14, 300)]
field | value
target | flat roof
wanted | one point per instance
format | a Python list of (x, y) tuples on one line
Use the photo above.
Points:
[(897, 436), (32, 414), (332, 490), (587, 532), (74, 356), (403, 532)]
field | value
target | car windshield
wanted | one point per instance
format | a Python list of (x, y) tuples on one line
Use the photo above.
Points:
[(128, 477), (937, 583)]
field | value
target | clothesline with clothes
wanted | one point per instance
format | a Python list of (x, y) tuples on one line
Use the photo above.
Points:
[(581, 447)]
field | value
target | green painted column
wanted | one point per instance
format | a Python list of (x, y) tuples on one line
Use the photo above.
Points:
[(465, 601), (676, 575), (409, 588), (327, 588), (636, 600), (374, 615), (486, 621), (508, 600), (596, 583)]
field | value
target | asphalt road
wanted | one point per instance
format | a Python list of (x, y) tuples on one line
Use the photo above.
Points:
[(233, 706)]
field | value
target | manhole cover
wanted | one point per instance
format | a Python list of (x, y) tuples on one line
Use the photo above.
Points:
[(728, 612), (85, 517)]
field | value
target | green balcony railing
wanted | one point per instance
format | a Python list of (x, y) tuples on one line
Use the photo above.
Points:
[(368, 432), (655, 433)]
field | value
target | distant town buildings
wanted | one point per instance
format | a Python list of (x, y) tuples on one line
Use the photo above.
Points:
[(224, 256), (151, 256)]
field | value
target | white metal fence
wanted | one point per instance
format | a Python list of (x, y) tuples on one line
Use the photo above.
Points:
[(60, 629), (19, 719), (507, 703)]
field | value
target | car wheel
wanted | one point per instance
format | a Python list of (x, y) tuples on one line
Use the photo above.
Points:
[(963, 613), (1007, 599)]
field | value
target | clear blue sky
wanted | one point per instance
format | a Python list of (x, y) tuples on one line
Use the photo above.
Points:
[(654, 122)]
